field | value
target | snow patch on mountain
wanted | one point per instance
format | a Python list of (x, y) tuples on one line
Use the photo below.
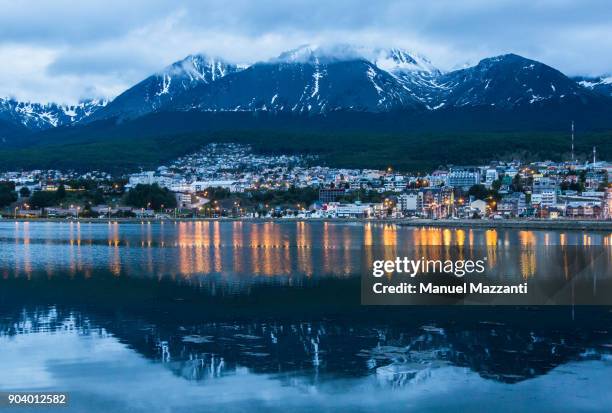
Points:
[(397, 60), (505, 81), (162, 88), (601, 84), (38, 116)]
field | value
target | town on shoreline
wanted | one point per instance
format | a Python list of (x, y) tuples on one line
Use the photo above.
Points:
[(230, 181)]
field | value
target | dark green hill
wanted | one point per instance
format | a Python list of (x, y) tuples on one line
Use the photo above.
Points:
[(406, 140)]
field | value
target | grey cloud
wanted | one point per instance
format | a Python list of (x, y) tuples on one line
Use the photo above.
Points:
[(96, 62), (118, 42), (71, 22)]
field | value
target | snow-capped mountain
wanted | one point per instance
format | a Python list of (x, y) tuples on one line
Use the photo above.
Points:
[(415, 72), (309, 79), (317, 80), (160, 89), (601, 84), (39, 116), (396, 60), (507, 81), (323, 79)]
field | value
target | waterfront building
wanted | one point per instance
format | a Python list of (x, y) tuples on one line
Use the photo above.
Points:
[(607, 204), (585, 210), (513, 204), (479, 206), (356, 210)]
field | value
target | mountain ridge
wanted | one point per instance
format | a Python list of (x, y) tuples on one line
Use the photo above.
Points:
[(322, 79), (160, 88), (34, 115)]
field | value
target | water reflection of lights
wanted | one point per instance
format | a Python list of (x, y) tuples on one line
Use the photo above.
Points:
[(259, 249)]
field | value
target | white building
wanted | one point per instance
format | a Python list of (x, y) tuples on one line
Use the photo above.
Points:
[(199, 186), (183, 199), (479, 205), (143, 178), (463, 177), (408, 202), (356, 210), (491, 175), (544, 192), (544, 198), (438, 178), (544, 184), (150, 178)]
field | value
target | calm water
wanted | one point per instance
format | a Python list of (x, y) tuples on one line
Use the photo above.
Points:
[(266, 316)]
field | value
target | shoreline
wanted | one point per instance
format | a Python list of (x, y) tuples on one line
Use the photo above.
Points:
[(557, 224)]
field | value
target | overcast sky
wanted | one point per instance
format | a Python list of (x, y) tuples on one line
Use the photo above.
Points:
[(64, 50)]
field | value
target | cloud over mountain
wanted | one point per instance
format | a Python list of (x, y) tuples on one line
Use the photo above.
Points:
[(61, 50)]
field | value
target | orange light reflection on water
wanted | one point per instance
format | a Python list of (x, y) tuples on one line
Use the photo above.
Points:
[(268, 248)]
